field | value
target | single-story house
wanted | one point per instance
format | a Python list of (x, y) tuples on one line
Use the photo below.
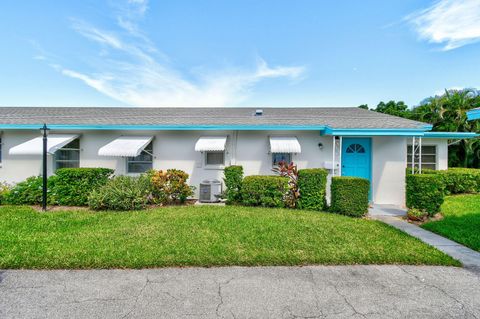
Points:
[(202, 141)]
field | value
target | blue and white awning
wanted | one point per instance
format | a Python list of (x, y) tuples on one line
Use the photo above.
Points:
[(286, 144), (35, 146)]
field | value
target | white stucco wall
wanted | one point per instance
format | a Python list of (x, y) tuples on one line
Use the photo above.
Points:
[(389, 161), (175, 149)]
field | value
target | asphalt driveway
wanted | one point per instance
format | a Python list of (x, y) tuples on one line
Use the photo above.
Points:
[(239, 292)]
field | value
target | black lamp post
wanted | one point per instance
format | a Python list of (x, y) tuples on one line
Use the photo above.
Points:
[(44, 130)]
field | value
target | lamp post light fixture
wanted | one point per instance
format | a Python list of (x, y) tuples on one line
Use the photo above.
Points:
[(44, 131)]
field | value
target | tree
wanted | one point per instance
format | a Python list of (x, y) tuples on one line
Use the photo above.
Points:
[(394, 108), (363, 106), (447, 113)]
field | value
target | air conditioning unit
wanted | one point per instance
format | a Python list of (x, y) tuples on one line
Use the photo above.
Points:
[(210, 191)]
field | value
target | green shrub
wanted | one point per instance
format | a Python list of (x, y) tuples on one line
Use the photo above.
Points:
[(312, 184), (30, 192), (169, 186), (121, 193), (425, 192), (416, 214), (349, 196), (73, 185), (461, 180), (266, 191), (4, 191), (233, 176)]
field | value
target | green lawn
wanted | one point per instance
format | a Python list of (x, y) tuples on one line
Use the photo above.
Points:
[(461, 221), (201, 236)]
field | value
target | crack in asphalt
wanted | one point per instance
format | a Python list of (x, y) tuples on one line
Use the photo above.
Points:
[(355, 311), (134, 306), (220, 296), (462, 306)]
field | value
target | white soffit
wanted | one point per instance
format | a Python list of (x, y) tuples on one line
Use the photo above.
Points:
[(287, 144), (35, 146), (125, 146), (211, 144)]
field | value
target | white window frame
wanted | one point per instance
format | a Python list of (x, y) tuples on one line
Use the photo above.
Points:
[(214, 166), (273, 154), (56, 160), (409, 156), (146, 150)]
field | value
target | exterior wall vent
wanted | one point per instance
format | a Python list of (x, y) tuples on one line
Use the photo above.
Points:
[(258, 112)]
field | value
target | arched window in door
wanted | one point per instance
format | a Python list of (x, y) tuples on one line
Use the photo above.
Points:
[(355, 148)]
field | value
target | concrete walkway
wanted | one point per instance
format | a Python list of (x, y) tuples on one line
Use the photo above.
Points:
[(240, 292), (468, 257)]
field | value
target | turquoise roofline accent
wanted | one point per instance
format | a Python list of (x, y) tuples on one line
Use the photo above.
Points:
[(373, 132), (473, 115), (450, 135)]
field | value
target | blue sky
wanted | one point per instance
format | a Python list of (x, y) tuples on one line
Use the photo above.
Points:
[(235, 53)]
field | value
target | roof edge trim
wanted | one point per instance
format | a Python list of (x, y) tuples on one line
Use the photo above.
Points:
[(473, 114)]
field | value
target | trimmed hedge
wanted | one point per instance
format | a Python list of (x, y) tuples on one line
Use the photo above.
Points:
[(458, 180), (425, 192), (349, 196), (233, 176), (312, 184), (73, 185), (266, 191)]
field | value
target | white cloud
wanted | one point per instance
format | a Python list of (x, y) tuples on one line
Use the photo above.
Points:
[(453, 23), (130, 69)]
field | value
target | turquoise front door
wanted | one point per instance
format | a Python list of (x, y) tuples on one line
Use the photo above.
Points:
[(356, 157)]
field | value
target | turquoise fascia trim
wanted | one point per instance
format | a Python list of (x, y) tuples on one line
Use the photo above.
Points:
[(473, 115), (373, 132), (162, 127), (450, 135)]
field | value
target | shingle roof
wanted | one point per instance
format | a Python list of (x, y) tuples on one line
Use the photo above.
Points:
[(301, 116)]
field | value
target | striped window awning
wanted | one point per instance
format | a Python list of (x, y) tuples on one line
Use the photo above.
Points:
[(211, 144), (125, 146), (35, 146), (285, 144)]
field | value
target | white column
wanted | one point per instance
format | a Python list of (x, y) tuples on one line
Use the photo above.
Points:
[(333, 156), (420, 155), (413, 154)]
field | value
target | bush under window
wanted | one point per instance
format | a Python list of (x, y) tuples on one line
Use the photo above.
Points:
[(312, 184), (425, 192), (73, 185), (349, 195), (170, 186), (121, 193), (266, 191)]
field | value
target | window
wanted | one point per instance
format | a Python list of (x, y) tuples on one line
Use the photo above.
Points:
[(429, 156), (214, 158), (68, 156), (279, 157), (142, 162), (355, 148)]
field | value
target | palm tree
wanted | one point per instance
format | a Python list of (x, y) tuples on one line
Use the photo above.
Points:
[(448, 113)]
